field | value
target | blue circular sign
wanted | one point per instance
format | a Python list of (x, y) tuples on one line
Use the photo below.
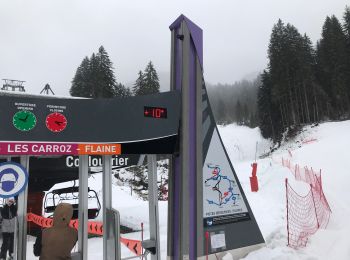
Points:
[(13, 179)]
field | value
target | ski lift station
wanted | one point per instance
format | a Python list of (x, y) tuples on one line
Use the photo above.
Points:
[(45, 140)]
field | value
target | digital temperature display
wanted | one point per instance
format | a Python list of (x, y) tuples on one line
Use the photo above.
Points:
[(155, 112)]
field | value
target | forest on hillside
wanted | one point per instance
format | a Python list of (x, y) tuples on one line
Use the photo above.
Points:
[(304, 83), (235, 102)]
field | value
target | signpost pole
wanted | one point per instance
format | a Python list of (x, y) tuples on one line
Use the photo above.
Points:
[(83, 206), (21, 232), (153, 204)]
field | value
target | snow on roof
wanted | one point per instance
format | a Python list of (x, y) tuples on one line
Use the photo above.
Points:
[(27, 94)]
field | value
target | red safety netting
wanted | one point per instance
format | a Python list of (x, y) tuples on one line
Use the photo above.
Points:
[(305, 214)]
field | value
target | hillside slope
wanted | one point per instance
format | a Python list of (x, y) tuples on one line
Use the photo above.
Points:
[(323, 147)]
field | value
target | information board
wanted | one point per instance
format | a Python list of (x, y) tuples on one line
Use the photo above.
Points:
[(56, 126)]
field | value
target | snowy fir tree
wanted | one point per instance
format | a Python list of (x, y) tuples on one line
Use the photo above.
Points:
[(239, 115), (304, 85), (122, 91), (346, 28), (95, 78), (80, 83), (147, 81), (332, 67), (139, 86), (151, 79)]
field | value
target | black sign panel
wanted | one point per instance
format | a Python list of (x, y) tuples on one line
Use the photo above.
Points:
[(67, 120)]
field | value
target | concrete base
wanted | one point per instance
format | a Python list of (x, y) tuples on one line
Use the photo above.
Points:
[(236, 253)]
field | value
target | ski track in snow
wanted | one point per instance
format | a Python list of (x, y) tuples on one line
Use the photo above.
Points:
[(329, 152)]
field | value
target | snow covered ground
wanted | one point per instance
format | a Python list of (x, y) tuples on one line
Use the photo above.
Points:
[(327, 150), (323, 147)]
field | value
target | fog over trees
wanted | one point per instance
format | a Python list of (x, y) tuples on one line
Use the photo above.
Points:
[(304, 83), (235, 103)]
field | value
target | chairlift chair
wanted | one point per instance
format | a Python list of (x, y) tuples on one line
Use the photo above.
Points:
[(69, 194)]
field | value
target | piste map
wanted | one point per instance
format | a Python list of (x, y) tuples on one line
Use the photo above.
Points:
[(223, 202), (223, 185)]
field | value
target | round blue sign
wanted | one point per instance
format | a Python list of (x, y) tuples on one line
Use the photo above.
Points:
[(13, 179)]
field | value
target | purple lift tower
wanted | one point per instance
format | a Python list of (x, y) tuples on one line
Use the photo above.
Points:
[(208, 210)]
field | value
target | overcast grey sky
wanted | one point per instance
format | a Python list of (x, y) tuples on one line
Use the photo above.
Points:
[(44, 41)]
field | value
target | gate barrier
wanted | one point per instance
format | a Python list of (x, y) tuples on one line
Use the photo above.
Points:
[(94, 228)]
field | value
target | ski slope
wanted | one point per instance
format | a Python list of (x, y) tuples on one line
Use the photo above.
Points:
[(323, 147)]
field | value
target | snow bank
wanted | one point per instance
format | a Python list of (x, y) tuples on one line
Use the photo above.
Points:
[(241, 141), (323, 147)]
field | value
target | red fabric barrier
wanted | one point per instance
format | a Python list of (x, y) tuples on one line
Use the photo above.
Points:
[(254, 185), (94, 227)]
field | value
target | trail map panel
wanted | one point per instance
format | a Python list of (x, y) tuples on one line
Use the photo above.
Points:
[(222, 198)]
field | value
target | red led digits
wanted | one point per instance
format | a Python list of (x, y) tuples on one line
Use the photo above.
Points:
[(158, 112), (155, 112)]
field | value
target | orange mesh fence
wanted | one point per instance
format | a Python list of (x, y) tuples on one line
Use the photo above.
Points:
[(94, 227), (305, 214)]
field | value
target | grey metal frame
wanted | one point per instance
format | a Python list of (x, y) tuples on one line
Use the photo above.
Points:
[(184, 146), (111, 218), (83, 206), (112, 235), (199, 149), (107, 201), (21, 227), (153, 204)]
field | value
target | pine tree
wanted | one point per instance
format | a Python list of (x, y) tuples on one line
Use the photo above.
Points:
[(105, 79), (93, 83), (80, 86), (288, 84), (147, 82), (122, 91), (95, 78), (265, 108), (346, 27), (332, 67), (306, 79), (151, 79), (279, 72), (221, 113), (252, 120), (139, 86), (239, 113), (302, 85), (246, 117)]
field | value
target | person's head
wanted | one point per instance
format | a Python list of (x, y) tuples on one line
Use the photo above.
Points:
[(62, 215), (10, 201)]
